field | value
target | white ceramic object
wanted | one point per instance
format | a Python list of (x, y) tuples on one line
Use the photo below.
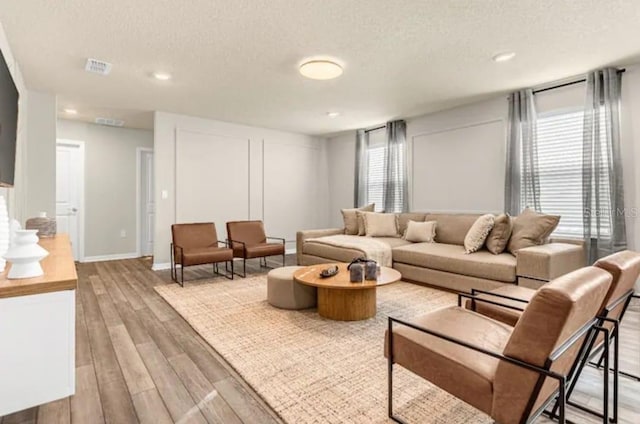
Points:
[(25, 255), (14, 225), (4, 232)]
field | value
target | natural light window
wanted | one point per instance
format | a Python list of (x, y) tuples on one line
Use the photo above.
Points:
[(377, 178), (560, 171)]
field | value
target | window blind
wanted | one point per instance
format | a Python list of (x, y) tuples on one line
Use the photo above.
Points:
[(375, 188), (559, 140)]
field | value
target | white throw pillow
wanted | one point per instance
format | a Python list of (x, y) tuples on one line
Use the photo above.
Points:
[(420, 232), (380, 224), (478, 233)]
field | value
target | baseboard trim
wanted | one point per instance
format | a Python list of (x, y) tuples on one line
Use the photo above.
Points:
[(161, 266), (116, 257)]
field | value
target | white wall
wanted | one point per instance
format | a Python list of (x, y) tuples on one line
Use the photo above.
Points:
[(459, 155), (218, 171), (110, 185), (40, 163), (341, 150)]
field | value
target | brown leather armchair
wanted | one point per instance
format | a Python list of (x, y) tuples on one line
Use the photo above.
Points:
[(198, 244), (249, 240), (507, 304), (510, 373)]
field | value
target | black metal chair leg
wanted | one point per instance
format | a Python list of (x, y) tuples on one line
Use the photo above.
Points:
[(182, 275), (232, 273), (284, 259)]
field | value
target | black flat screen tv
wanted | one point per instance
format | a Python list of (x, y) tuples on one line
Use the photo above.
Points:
[(8, 124)]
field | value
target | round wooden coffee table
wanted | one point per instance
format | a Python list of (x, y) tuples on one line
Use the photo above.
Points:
[(340, 299)]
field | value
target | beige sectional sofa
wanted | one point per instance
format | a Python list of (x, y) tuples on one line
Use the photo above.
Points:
[(445, 263)]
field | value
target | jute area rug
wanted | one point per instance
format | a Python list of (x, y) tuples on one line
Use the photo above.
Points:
[(310, 369)]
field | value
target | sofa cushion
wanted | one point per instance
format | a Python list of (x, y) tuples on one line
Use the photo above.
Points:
[(405, 217), (419, 232), (531, 228), (499, 235), (351, 219), (452, 228), (380, 224), (452, 258), (478, 233)]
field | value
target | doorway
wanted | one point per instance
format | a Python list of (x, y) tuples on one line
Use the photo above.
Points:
[(146, 202), (70, 193)]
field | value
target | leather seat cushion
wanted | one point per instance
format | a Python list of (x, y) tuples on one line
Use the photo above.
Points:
[(260, 250), (464, 373), (205, 255), (506, 315), (452, 258)]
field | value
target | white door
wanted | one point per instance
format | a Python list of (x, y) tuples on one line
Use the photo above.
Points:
[(69, 183), (147, 204)]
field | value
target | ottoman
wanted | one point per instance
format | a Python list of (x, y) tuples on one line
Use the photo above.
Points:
[(284, 293)]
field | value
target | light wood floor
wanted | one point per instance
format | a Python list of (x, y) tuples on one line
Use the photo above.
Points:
[(138, 361)]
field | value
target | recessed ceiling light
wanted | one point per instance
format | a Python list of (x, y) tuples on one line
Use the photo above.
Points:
[(503, 57), (70, 111), (333, 114), (162, 76), (321, 69)]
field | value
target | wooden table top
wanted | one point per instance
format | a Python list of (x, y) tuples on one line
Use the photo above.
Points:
[(59, 271), (310, 276)]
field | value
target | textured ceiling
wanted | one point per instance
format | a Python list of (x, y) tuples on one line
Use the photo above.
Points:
[(236, 60)]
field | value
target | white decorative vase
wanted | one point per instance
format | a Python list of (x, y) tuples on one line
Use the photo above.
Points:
[(4, 232), (25, 255)]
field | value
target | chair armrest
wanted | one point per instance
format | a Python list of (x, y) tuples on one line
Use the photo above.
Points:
[(491, 302), (302, 236), (276, 238), (549, 261), (502, 296)]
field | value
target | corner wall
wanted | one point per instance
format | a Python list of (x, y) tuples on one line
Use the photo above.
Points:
[(213, 171)]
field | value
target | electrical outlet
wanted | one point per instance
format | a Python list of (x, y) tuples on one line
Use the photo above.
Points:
[(123, 233)]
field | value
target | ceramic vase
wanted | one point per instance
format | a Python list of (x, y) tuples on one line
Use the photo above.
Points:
[(4, 232), (25, 255)]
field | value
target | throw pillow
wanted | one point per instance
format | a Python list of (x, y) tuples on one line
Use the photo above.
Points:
[(531, 228), (478, 233), (499, 235), (361, 229), (380, 224), (420, 232), (351, 218)]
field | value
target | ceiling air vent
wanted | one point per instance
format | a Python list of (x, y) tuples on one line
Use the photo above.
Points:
[(98, 66), (110, 122)]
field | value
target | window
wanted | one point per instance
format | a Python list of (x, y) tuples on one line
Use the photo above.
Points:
[(376, 158), (559, 137)]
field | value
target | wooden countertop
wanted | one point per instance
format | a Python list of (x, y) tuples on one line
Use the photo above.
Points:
[(59, 271)]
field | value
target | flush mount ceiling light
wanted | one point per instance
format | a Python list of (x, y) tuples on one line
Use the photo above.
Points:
[(70, 111), (333, 114), (320, 69), (161, 76), (504, 57)]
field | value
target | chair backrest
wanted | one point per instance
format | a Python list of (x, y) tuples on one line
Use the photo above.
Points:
[(248, 232), (625, 268), (202, 234), (555, 313)]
